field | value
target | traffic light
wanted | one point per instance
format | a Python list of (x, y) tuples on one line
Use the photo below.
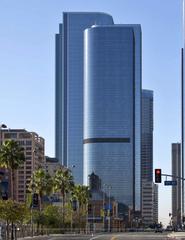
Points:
[(158, 175), (5, 196), (35, 200), (74, 205)]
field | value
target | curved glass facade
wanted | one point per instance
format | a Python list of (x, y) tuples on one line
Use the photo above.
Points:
[(69, 87), (110, 111)]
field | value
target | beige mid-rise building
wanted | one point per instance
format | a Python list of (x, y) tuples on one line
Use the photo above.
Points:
[(52, 165), (33, 146)]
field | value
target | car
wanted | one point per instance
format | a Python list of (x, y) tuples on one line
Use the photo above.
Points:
[(158, 230), (169, 228)]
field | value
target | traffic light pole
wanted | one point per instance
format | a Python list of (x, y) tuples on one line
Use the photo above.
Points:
[(182, 123), (168, 175), (183, 179)]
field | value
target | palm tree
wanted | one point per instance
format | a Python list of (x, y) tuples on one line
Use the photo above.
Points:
[(40, 183), (81, 194), (11, 157), (63, 182)]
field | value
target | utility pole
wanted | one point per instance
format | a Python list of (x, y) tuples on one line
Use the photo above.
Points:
[(182, 111), (182, 127)]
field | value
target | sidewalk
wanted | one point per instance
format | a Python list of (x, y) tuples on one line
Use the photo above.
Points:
[(177, 235), (48, 237), (44, 237)]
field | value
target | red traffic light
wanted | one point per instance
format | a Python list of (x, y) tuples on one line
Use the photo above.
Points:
[(158, 175)]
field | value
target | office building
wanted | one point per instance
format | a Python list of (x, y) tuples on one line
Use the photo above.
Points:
[(51, 165), (34, 158), (147, 136), (98, 208), (149, 202), (112, 107), (155, 204), (149, 210), (69, 87), (176, 190)]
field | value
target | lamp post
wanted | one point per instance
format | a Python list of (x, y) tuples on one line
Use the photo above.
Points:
[(109, 227), (109, 205), (103, 206), (94, 219), (73, 166)]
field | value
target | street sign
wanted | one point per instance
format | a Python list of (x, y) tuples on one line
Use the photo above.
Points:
[(107, 207), (170, 183)]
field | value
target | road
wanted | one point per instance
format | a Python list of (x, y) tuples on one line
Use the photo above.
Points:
[(120, 236)]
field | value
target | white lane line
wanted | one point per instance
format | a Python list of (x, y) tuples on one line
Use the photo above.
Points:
[(111, 237), (96, 237)]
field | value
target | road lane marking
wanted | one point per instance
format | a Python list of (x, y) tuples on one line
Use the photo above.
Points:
[(114, 238), (96, 237), (100, 236)]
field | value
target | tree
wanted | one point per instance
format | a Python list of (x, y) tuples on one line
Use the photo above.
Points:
[(81, 194), (12, 212), (11, 157), (52, 216), (63, 182), (40, 183)]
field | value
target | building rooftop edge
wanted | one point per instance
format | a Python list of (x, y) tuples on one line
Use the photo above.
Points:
[(20, 130), (103, 13)]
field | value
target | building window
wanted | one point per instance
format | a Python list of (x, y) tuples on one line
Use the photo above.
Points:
[(28, 153), (29, 143), (28, 167), (10, 135), (28, 148), (21, 142), (24, 135), (21, 191)]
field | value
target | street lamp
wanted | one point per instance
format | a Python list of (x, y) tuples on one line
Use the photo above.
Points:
[(109, 205), (109, 188), (71, 169), (103, 205)]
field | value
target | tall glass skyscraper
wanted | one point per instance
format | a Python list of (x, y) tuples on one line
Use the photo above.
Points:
[(69, 88), (149, 203), (147, 136), (112, 109), (98, 102)]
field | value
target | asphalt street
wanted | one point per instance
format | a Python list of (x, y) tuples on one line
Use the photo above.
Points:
[(121, 236)]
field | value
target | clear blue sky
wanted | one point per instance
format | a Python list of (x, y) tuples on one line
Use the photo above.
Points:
[(27, 66)]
